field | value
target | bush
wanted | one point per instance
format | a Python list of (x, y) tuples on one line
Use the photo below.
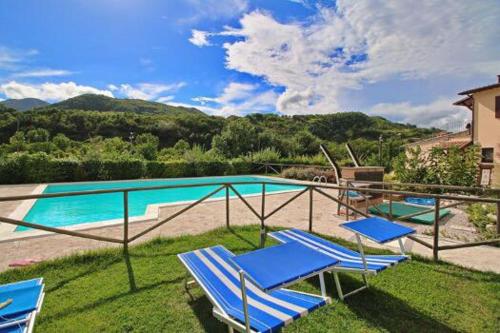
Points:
[(447, 167), (64, 170), (12, 169), (89, 170), (20, 168), (483, 217), (125, 169), (307, 174)]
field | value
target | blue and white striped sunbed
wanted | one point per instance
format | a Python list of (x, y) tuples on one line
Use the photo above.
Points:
[(350, 261), (26, 298), (219, 277)]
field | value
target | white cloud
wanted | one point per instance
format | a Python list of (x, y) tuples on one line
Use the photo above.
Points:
[(165, 99), (364, 42), (148, 64), (206, 109), (146, 91), (238, 99), (42, 73), (11, 59), (213, 10), (439, 113), (199, 38), (48, 91)]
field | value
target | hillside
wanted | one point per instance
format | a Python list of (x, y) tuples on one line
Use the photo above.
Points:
[(24, 104), (91, 102)]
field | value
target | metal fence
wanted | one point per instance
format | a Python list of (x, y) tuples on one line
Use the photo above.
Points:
[(263, 216)]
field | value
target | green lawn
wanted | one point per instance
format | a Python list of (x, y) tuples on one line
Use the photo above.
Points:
[(95, 293)]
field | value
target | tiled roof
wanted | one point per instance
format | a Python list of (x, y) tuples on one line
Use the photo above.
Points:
[(474, 90), (449, 144)]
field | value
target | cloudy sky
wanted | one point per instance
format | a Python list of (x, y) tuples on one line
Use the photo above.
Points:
[(404, 60)]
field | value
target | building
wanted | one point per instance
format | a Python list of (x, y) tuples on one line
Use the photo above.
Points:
[(484, 131), (484, 102)]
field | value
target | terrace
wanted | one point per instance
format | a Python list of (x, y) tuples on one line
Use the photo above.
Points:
[(141, 288)]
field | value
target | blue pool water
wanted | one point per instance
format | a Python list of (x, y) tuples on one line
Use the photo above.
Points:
[(65, 211)]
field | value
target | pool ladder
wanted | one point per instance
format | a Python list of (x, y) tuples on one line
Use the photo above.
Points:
[(320, 179)]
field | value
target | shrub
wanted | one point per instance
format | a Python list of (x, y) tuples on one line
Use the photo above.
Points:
[(268, 155), (447, 167), (307, 174), (240, 166), (89, 170), (124, 169), (482, 216), (64, 170)]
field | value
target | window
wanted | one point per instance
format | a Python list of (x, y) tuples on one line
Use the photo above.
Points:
[(497, 107), (487, 155)]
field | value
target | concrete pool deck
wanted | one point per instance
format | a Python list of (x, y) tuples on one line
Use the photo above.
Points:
[(210, 215)]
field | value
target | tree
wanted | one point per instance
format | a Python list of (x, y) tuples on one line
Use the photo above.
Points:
[(237, 138), (305, 143), (18, 141), (38, 135), (147, 145), (61, 141)]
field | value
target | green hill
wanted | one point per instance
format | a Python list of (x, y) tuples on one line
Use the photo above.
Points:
[(91, 102), (24, 104)]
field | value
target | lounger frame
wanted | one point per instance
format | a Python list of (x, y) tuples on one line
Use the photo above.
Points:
[(364, 272), (222, 316)]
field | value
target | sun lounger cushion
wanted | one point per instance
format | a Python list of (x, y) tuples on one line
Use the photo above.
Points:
[(217, 274), (349, 260)]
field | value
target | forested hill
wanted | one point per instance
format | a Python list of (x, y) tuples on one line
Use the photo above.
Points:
[(23, 104), (92, 102), (288, 135)]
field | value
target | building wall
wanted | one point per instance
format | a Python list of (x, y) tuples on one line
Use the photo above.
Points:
[(487, 127)]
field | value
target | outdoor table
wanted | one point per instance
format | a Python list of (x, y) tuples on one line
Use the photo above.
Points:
[(281, 265), (378, 230)]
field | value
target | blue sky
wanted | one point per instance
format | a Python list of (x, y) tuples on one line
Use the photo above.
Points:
[(396, 59)]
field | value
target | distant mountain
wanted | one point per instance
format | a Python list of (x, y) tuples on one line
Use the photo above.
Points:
[(24, 104), (92, 102)]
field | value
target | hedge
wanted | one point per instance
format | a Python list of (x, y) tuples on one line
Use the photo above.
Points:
[(40, 168)]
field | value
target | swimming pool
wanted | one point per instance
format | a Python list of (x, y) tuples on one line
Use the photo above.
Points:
[(67, 211)]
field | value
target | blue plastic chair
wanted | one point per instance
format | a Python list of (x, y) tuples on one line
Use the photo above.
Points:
[(21, 302)]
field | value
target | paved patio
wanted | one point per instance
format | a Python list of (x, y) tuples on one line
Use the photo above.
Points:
[(210, 215)]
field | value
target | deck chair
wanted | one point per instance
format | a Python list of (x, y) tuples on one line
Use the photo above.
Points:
[(237, 301), (350, 261), (20, 303)]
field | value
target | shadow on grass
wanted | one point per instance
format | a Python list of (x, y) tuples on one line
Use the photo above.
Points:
[(381, 309), (245, 240), (130, 271), (202, 308), (104, 301), (85, 273)]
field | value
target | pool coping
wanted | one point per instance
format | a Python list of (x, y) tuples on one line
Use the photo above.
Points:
[(152, 213)]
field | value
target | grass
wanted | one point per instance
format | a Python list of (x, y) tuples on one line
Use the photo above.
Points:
[(106, 291)]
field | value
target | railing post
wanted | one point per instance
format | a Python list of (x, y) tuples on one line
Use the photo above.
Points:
[(347, 200), (498, 218), (262, 216), (310, 208), (125, 221), (390, 204), (227, 206), (435, 245)]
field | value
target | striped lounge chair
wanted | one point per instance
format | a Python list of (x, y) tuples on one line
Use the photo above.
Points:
[(237, 301), (20, 302), (350, 261)]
